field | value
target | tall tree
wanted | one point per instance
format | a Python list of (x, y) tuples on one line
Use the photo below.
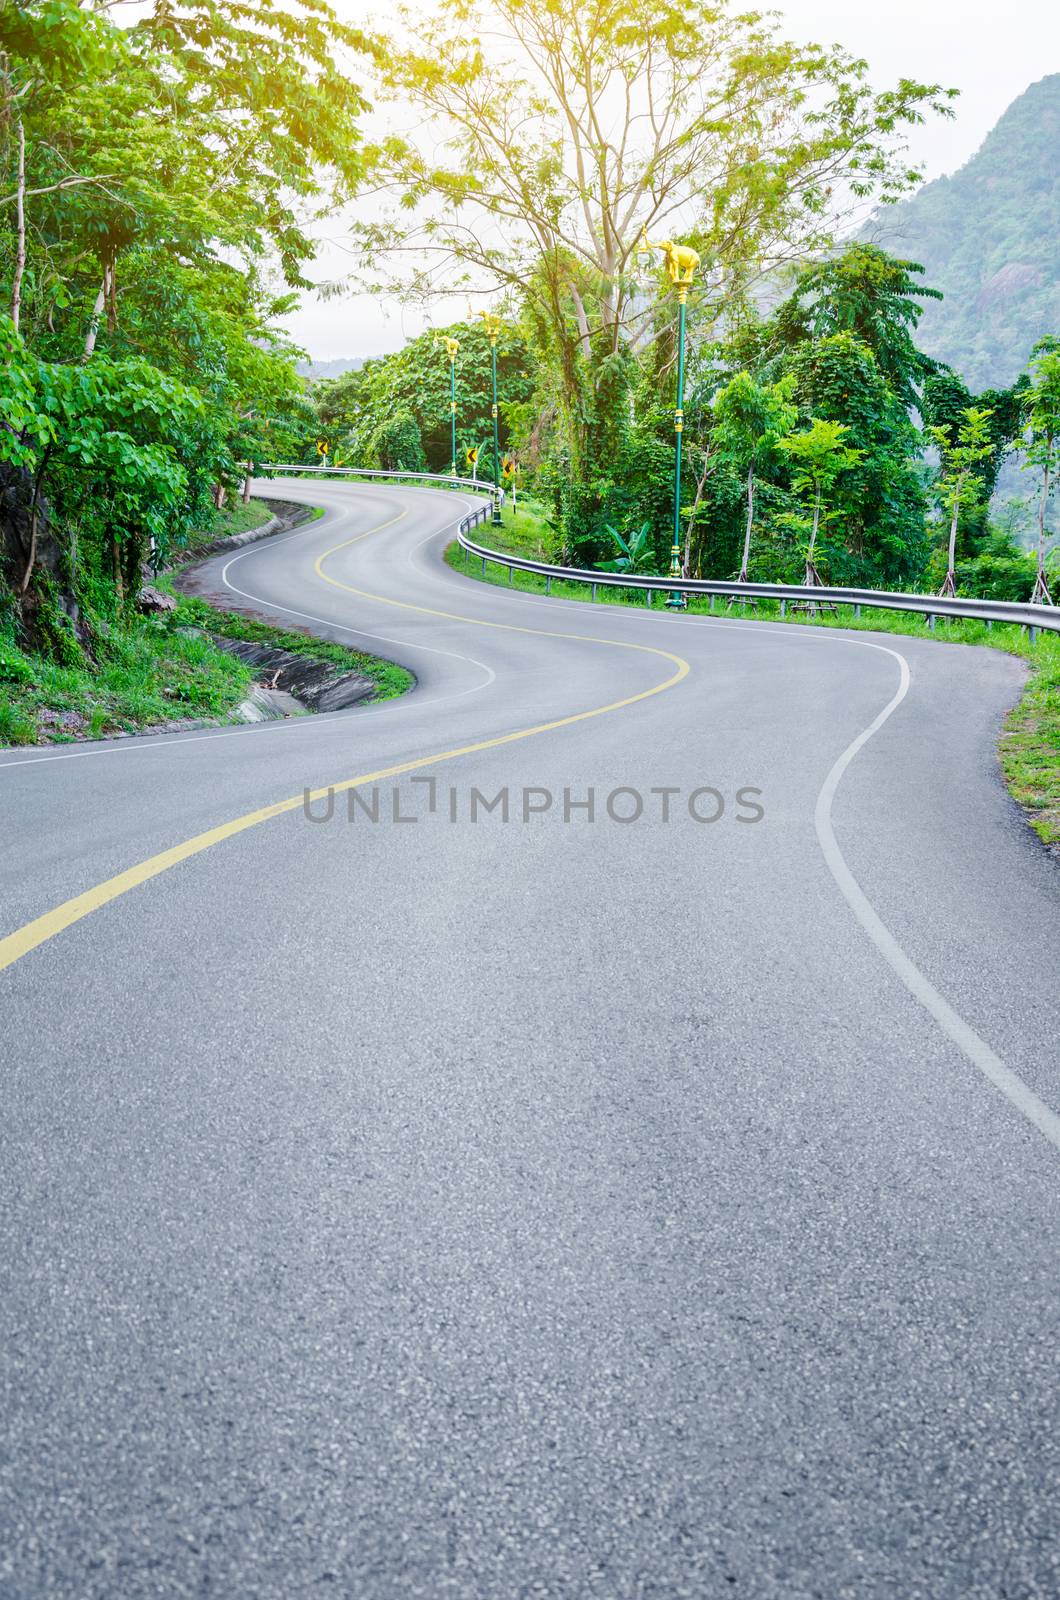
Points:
[(838, 379), (946, 399), (875, 297), (157, 176), (1042, 443), (579, 127), (962, 448), (750, 421), (819, 455)]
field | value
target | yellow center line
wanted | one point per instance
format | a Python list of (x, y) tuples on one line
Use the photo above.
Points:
[(38, 932)]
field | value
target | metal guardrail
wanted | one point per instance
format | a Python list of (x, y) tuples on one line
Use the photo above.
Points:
[(473, 520), (929, 606), (437, 480)]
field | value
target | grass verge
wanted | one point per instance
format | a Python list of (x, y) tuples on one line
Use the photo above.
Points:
[(224, 524), (390, 680), (157, 672), (1030, 745), (145, 675)]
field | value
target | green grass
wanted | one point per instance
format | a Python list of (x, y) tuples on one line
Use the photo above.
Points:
[(157, 670), (390, 680), (145, 675), (223, 524), (1030, 745), (525, 532)]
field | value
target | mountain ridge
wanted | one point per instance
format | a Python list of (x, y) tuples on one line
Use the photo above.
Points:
[(988, 236)]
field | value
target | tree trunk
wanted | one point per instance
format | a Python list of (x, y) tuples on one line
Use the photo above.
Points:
[(950, 585), (1040, 595), (811, 570), (32, 555), (584, 336), (34, 520), (750, 524), (20, 225), (246, 488), (700, 486), (115, 563), (97, 311)]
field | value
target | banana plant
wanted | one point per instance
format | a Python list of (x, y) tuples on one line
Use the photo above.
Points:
[(636, 554)]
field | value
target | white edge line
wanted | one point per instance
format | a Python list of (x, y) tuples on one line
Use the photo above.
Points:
[(977, 1051), (960, 1032), (174, 739)]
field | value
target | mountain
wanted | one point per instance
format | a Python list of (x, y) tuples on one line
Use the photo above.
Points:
[(989, 238), (330, 369)]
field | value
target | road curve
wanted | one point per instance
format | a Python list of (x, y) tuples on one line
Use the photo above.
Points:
[(551, 1206)]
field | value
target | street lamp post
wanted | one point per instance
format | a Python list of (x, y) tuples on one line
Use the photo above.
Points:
[(681, 264), (493, 330), (452, 347)]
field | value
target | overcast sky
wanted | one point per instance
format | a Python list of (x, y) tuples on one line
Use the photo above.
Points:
[(987, 51)]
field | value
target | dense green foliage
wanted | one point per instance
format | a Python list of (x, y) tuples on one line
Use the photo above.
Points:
[(394, 412), (817, 438), (817, 443), (158, 180)]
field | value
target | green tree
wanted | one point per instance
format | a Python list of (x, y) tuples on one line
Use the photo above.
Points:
[(750, 421), (415, 380), (395, 444), (1042, 443), (154, 180), (946, 399), (838, 379), (819, 456), (572, 135), (962, 448), (197, 128), (872, 296)]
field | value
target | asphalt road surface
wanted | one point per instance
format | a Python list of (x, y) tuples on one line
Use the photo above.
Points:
[(565, 1206)]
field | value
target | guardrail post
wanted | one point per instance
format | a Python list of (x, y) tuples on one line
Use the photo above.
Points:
[(711, 606), (1032, 634), (783, 608), (548, 584), (649, 596), (857, 613), (483, 566), (929, 618), (595, 587), (509, 574)]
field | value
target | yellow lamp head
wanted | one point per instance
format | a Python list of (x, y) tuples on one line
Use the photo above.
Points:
[(492, 323)]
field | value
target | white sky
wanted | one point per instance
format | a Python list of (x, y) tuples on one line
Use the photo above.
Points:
[(990, 53)]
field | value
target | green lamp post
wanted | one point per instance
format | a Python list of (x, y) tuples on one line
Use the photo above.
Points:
[(452, 350), (681, 264), (493, 330)]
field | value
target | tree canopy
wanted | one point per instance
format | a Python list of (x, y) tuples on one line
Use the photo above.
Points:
[(160, 186)]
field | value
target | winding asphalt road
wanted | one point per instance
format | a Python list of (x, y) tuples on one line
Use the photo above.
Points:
[(558, 1207)]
